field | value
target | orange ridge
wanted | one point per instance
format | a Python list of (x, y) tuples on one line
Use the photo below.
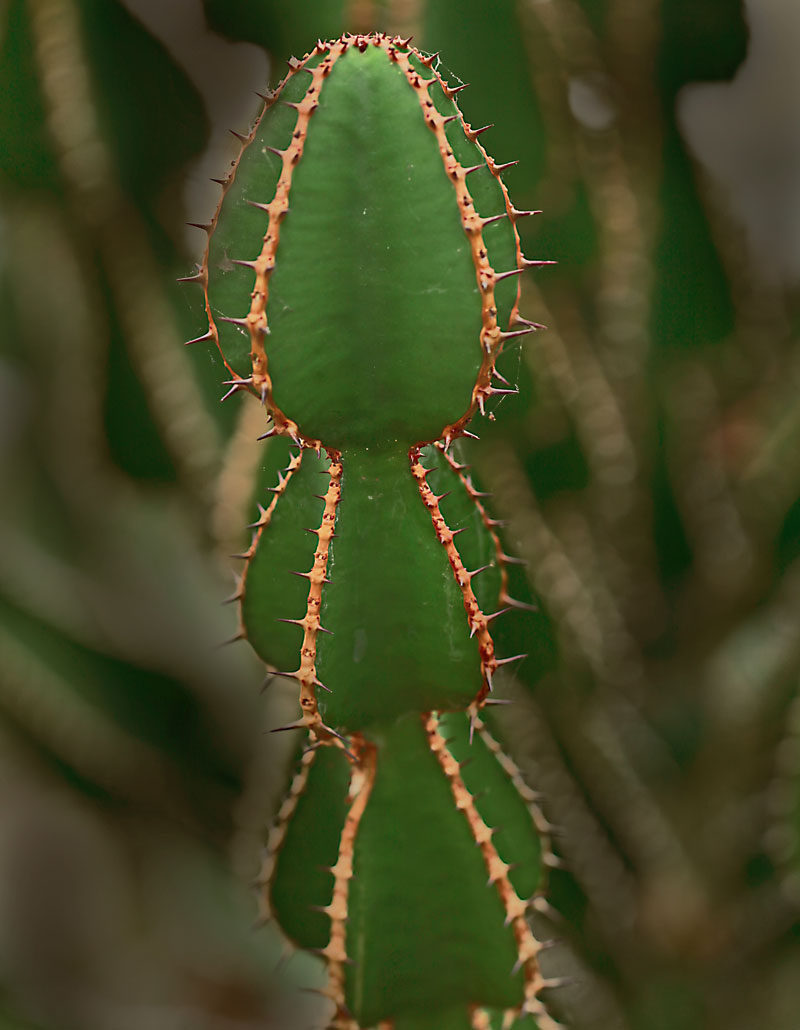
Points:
[(362, 778), (478, 621), (265, 516), (528, 947), (491, 337), (486, 519)]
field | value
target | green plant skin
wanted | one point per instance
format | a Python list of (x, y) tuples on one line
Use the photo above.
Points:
[(354, 283)]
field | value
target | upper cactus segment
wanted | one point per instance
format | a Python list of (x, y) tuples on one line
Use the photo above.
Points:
[(361, 272)]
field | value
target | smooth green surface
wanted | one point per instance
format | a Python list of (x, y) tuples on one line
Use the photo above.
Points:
[(271, 590), (310, 849), (424, 928), (435, 1019), (400, 635)]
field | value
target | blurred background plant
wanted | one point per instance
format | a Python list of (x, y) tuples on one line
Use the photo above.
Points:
[(648, 471)]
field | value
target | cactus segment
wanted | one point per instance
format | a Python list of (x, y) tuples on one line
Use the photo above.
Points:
[(400, 638), (412, 847), (339, 204)]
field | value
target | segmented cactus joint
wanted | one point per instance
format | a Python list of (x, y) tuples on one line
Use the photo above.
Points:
[(361, 277)]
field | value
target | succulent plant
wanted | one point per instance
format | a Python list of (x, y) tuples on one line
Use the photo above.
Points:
[(361, 278)]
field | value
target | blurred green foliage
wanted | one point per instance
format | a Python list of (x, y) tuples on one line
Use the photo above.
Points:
[(648, 472)]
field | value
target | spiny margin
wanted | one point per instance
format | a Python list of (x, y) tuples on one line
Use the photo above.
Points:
[(264, 264), (277, 836), (478, 621), (256, 321), (491, 337), (544, 827), (505, 600), (264, 519), (306, 673), (528, 947), (362, 779)]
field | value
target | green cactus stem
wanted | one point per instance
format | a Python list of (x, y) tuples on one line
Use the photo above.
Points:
[(361, 279)]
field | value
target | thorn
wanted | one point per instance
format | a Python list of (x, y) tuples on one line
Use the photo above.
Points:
[(543, 907), (235, 384), (238, 135), (522, 606), (268, 434), (196, 277), (551, 983), (205, 226), (258, 204), (450, 91), (199, 339), (498, 700), (238, 635), (516, 332), (525, 321), (515, 214), (266, 97), (222, 182), (499, 276), (474, 133), (292, 622), (530, 263), (474, 168), (493, 218), (508, 560), (274, 150), (320, 684), (483, 568), (501, 168), (513, 658), (494, 615), (261, 513), (289, 726), (244, 264), (234, 321), (472, 436)]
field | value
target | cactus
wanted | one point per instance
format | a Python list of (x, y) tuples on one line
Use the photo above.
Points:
[(361, 279)]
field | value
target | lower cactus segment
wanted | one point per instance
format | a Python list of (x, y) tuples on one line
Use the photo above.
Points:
[(433, 865)]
